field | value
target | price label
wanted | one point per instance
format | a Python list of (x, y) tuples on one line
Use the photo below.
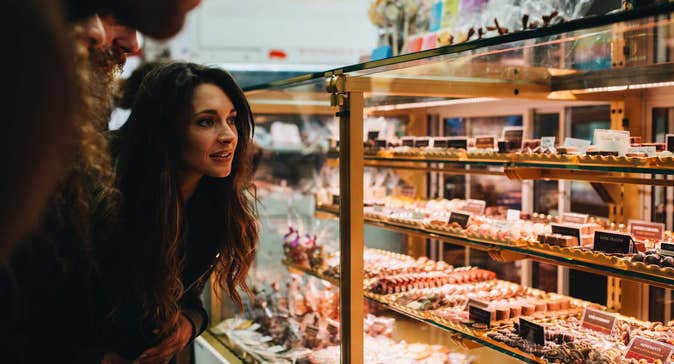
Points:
[(670, 142), (372, 135), (667, 249), (597, 320), (580, 144), (457, 143), (380, 143), (568, 230), (481, 315), (459, 218), (513, 215), (642, 230), (440, 143), (408, 142), (513, 135), (612, 140), (609, 242), (649, 350), (485, 142), (475, 206), (574, 218), (547, 142), (421, 142), (532, 332), (649, 151)]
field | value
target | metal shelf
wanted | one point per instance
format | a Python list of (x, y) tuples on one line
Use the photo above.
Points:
[(524, 170), (523, 252)]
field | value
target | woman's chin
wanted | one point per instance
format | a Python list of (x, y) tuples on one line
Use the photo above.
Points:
[(220, 174)]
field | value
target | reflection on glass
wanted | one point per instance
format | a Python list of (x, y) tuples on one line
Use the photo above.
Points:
[(544, 276), (663, 124), (584, 120)]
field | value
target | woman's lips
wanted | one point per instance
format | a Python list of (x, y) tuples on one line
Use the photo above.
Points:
[(222, 156)]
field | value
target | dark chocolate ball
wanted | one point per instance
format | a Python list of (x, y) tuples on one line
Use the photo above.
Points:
[(638, 257)]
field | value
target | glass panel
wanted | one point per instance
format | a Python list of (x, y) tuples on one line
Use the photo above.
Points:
[(544, 276), (561, 48), (663, 124)]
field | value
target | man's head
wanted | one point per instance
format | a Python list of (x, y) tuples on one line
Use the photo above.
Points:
[(108, 43), (159, 19)]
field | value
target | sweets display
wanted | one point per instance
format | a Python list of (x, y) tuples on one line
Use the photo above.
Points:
[(613, 147), (550, 234)]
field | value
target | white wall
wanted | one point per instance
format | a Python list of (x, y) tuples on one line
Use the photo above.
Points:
[(309, 32)]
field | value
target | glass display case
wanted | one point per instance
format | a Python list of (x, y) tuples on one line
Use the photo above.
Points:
[(503, 199)]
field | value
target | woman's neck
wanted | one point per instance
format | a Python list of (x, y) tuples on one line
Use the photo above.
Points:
[(188, 184)]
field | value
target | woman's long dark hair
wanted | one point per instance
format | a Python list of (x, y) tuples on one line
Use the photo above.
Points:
[(148, 163)]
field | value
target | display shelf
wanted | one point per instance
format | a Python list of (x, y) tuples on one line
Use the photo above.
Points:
[(566, 257), (462, 330), (514, 167)]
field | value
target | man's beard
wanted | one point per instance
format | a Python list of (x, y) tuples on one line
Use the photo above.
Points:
[(105, 65)]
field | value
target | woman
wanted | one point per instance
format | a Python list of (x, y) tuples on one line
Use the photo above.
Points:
[(184, 171)]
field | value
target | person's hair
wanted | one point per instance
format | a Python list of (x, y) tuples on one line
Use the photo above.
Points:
[(149, 159), (126, 94)]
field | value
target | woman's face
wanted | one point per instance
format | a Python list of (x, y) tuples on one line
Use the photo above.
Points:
[(211, 136)]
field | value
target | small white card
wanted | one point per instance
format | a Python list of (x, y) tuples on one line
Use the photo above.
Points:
[(547, 142), (513, 215), (612, 140), (650, 151), (581, 144)]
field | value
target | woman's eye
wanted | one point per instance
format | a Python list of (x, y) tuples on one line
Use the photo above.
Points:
[(231, 121), (205, 122)]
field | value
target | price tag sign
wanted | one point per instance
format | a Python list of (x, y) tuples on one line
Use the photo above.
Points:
[(547, 142), (597, 320), (408, 142), (513, 215), (457, 143), (475, 206), (642, 230), (649, 350), (580, 144), (480, 315), (574, 218), (568, 230), (649, 151), (612, 140), (372, 135), (670, 142), (532, 332), (421, 142), (513, 135), (485, 142), (667, 249), (609, 242), (380, 143), (459, 218), (441, 143)]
